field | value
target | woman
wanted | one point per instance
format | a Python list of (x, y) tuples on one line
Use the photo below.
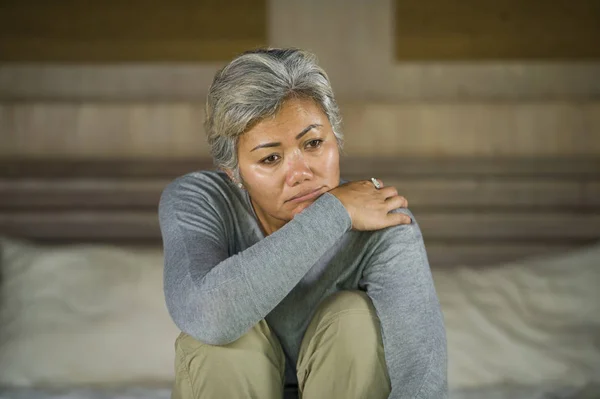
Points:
[(277, 273)]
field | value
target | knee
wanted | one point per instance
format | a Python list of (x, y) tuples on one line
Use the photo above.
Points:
[(343, 343), (251, 366), (345, 330), (351, 302), (258, 342), (357, 326)]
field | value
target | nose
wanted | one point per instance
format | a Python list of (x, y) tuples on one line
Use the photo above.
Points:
[(298, 170)]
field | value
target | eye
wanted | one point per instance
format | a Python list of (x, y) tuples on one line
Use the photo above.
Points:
[(271, 159), (316, 143)]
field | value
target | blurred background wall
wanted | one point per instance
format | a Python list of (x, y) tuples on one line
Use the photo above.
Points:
[(433, 79)]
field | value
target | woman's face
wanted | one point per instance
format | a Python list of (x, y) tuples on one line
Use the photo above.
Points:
[(287, 161)]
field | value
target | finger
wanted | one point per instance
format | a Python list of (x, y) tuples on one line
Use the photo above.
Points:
[(380, 183), (399, 218), (396, 202), (402, 201), (389, 192)]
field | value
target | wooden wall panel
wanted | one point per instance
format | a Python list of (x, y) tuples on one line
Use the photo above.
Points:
[(540, 128), (134, 30), (454, 194), (355, 43), (497, 29), (463, 227), (174, 129), (102, 129), (475, 211)]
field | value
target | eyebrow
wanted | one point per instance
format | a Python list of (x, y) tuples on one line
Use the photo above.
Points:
[(298, 137)]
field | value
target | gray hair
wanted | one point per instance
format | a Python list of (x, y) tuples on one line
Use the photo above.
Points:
[(252, 87)]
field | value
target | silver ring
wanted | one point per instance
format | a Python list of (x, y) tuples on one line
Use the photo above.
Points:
[(376, 183)]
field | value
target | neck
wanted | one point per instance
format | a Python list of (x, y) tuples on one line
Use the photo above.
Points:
[(268, 224)]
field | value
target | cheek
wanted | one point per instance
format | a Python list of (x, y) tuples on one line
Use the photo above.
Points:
[(264, 187), (330, 162), (258, 177)]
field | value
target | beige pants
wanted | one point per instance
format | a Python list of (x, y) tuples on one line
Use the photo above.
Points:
[(341, 356)]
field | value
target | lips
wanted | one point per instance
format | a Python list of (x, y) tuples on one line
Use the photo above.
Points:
[(305, 195)]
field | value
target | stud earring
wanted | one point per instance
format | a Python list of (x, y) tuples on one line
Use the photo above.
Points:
[(240, 186)]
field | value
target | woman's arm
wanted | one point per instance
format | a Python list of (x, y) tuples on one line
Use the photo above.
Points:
[(216, 298), (399, 282)]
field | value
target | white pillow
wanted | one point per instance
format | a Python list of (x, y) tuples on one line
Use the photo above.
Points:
[(536, 321), (83, 315)]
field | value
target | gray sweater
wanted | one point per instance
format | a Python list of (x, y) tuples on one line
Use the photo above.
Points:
[(222, 276)]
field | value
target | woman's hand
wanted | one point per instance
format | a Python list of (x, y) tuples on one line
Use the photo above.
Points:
[(369, 207)]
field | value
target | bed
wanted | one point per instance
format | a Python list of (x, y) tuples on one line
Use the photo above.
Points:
[(514, 246)]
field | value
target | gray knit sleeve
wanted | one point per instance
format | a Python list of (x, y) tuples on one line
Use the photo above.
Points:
[(215, 297), (398, 280)]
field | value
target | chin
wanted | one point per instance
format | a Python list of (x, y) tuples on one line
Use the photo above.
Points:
[(300, 207)]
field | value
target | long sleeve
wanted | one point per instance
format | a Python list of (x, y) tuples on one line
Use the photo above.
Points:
[(216, 297), (398, 280)]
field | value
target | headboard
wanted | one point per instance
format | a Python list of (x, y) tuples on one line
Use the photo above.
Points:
[(472, 211)]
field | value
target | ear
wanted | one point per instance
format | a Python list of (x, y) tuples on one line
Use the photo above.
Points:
[(230, 174), (233, 179)]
